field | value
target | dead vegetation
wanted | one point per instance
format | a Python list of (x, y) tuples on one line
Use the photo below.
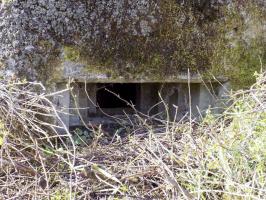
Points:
[(222, 157)]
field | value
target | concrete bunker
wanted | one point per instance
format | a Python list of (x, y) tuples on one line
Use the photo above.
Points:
[(98, 102)]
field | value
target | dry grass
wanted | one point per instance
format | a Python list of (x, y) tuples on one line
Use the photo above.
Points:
[(220, 158)]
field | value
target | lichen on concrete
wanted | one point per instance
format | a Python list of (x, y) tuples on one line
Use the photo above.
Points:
[(63, 22), (242, 51), (144, 39)]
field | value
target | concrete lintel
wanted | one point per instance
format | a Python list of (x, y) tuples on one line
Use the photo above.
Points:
[(76, 72), (166, 80)]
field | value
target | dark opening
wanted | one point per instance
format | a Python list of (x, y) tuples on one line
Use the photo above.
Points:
[(106, 97)]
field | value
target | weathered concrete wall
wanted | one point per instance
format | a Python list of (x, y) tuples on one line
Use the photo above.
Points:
[(62, 103), (144, 39), (32, 30), (180, 99)]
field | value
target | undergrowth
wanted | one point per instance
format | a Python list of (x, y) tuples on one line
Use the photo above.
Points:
[(221, 157)]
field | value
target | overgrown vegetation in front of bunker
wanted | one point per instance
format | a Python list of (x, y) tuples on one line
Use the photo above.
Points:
[(221, 157)]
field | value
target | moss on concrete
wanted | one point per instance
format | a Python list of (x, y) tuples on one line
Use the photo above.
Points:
[(220, 44), (179, 43), (241, 49), (71, 53)]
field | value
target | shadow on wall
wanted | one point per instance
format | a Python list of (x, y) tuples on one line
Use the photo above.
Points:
[(100, 102)]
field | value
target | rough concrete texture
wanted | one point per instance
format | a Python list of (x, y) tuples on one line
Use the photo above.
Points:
[(32, 32), (26, 24)]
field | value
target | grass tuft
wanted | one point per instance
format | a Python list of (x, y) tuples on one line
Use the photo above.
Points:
[(221, 157)]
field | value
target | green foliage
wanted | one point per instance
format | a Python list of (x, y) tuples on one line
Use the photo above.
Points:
[(82, 137), (234, 150), (47, 150)]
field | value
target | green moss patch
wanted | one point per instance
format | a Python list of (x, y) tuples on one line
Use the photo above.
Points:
[(219, 44), (241, 52), (71, 53)]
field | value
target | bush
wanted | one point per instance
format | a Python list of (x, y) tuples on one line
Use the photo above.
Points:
[(221, 157)]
